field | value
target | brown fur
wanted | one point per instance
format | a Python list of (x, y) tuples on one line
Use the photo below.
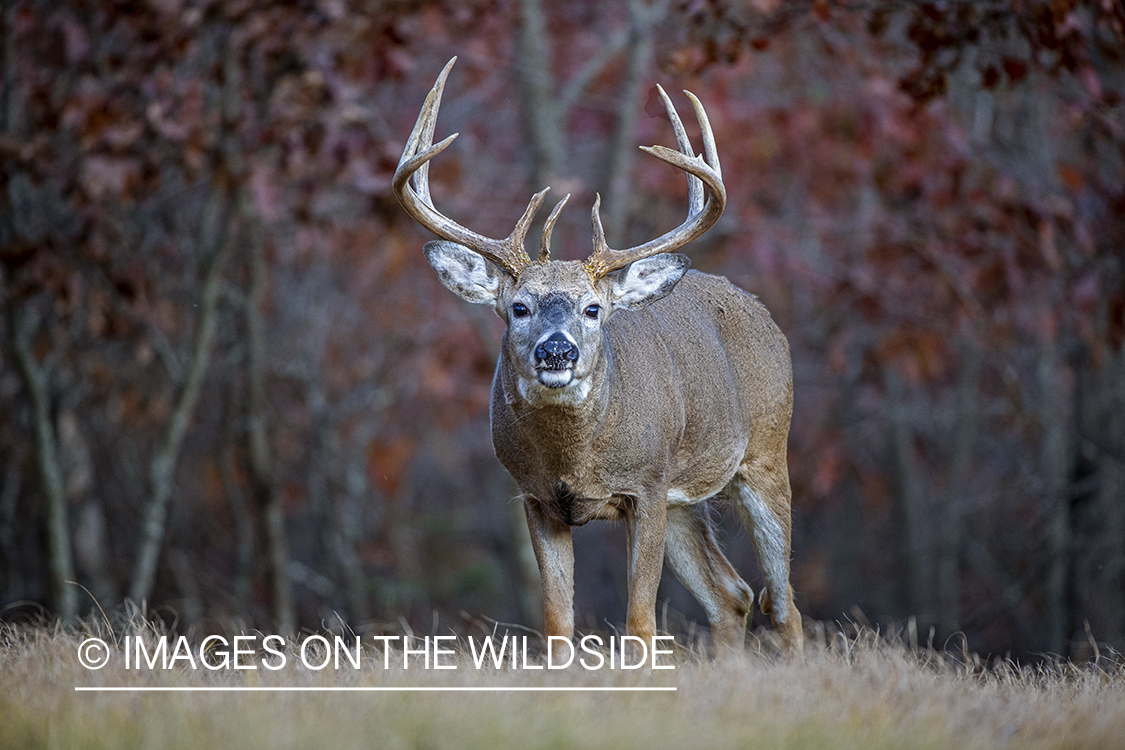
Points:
[(617, 397), (692, 393)]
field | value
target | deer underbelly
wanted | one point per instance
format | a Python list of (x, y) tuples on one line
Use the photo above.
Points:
[(699, 490), (679, 497)]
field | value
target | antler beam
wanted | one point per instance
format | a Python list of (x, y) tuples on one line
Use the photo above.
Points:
[(706, 195), (412, 187), (704, 174)]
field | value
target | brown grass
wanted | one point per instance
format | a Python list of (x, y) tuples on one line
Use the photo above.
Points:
[(861, 690)]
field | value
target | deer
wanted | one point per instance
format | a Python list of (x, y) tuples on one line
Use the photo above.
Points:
[(629, 387)]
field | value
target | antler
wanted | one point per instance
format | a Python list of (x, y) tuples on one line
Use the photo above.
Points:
[(701, 215), (412, 186)]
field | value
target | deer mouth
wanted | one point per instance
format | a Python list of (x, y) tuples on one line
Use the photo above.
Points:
[(555, 356), (555, 376)]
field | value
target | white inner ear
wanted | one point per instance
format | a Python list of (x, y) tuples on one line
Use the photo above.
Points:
[(477, 275), (464, 272), (643, 279)]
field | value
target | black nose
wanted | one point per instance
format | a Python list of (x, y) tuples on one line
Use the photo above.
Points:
[(556, 351)]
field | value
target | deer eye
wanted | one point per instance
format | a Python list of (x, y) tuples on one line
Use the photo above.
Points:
[(592, 311), (519, 310)]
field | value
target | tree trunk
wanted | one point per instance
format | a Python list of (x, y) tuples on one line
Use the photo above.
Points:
[(642, 19), (543, 120), (964, 444), (244, 530), (328, 502), (191, 599), (1055, 463), (266, 497), (1111, 496), (36, 380), (11, 585), (908, 484)]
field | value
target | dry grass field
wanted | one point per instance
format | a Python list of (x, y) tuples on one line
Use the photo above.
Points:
[(862, 690)]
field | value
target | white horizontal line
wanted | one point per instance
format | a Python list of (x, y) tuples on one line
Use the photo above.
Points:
[(415, 689)]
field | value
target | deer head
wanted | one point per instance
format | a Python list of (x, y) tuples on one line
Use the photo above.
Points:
[(555, 310)]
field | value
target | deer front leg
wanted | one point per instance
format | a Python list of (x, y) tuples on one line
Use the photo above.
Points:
[(645, 522), (554, 552)]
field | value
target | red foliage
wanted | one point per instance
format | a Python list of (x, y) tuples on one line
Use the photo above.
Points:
[(907, 186)]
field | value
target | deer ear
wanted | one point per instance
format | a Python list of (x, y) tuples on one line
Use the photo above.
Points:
[(465, 273), (644, 281)]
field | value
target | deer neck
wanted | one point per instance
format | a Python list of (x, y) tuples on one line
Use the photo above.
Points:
[(564, 426)]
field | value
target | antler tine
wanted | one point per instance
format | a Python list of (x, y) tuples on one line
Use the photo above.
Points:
[(704, 175), (709, 149), (598, 262), (545, 241), (412, 187), (695, 187), (428, 116), (519, 234)]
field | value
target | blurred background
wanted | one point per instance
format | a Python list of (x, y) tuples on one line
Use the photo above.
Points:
[(231, 387)]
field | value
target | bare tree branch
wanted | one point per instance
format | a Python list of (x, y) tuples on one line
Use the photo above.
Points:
[(163, 466), (576, 87)]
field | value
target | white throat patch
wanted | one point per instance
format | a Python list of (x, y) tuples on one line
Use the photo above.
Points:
[(536, 394)]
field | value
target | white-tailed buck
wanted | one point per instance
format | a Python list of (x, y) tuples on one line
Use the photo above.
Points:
[(629, 388)]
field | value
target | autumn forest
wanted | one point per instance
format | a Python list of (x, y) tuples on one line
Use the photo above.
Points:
[(232, 390)]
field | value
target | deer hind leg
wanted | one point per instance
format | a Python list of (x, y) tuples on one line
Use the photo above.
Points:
[(761, 490), (694, 556)]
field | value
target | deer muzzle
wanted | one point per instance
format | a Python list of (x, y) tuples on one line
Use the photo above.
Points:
[(555, 356)]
